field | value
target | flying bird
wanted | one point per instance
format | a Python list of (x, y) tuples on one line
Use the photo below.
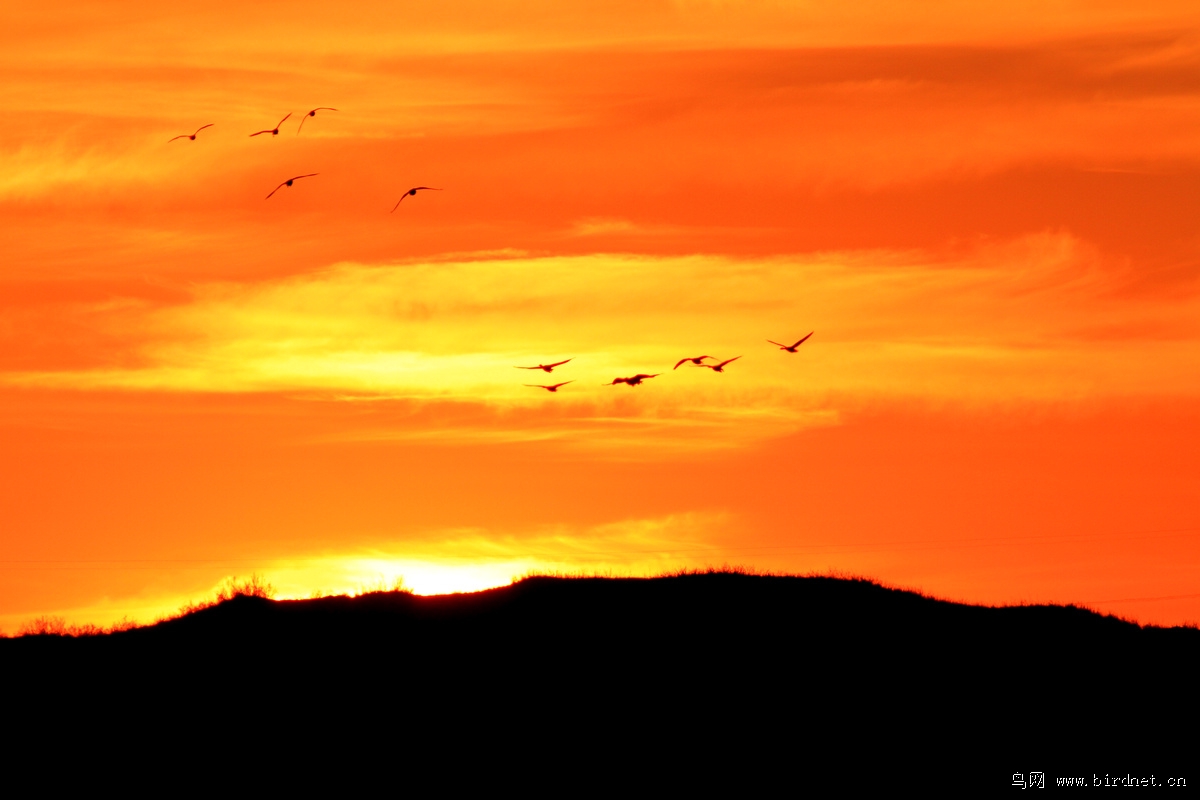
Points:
[(545, 367), (273, 131), (312, 113), (634, 381), (720, 367), (792, 348), (553, 388), (412, 191), (289, 182), (191, 136), (697, 361)]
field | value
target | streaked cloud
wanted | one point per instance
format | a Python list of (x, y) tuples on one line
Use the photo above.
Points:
[(456, 329), (723, 115), (311, 30), (1038, 318), (593, 226)]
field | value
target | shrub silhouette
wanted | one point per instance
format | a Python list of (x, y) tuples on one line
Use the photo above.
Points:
[(44, 625), (382, 585), (254, 586), (48, 625)]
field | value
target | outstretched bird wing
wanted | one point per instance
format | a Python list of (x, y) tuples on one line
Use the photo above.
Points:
[(289, 180), (681, 361), (191, 135), (558, 363), (413, 190), (805, 339), (272, 130), (723, 363), (312, 113), (784, 346)]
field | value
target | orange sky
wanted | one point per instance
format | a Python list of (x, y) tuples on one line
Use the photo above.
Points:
[(988, 218)]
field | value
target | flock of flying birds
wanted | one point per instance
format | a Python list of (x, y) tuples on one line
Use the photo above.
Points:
[(275, 132), (633, 380)]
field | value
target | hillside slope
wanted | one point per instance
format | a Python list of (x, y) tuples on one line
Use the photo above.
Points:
[(743, 653)]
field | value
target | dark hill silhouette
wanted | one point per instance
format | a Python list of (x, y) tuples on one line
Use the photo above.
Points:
[(724, 661)]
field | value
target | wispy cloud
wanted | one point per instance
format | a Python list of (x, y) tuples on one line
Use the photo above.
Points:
[(457, 329), (637, 437), (1041, 317)]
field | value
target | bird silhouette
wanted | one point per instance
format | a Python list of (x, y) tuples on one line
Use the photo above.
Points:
[(634, 381), (695, 361), (545, 367), (553, 388), (312, 113), (191, 136), (273, 131), (792, 348), (412, 191), (289, 182), (720, 367)]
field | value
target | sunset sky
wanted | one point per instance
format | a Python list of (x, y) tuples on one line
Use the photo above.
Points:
[(987, 214)]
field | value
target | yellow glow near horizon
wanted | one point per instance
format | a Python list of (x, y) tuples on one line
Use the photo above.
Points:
[(450, 561)]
